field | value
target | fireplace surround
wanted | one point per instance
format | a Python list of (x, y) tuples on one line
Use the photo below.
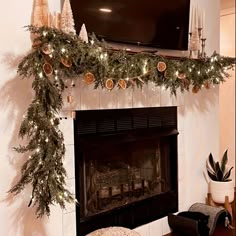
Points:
[(126, 166)]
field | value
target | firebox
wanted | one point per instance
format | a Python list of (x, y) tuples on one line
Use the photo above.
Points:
[(126, 166)]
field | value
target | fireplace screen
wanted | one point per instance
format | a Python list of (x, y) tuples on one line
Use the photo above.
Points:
[(119, 174)]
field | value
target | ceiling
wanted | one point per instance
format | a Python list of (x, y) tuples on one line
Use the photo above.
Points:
[(225, 4)]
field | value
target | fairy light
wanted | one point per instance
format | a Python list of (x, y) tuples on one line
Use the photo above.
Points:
[(163, 88), (212, 59), (63, 50), (35, 127), (65, 194), (56, 77), (40, 162), (45, 33), (52, 122), (199, 72), (177, 73), (190, 69), (101, 56), (132, 65), (144, 67), (60, 196), (37, 150), (40, 74), (92, 42), (30, 157), (212, 67), (46, 140)]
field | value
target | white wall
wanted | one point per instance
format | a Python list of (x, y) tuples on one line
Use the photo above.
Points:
[(227, 90), (198, 123)]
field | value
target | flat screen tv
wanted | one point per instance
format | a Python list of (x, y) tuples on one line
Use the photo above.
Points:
[(159, 24)]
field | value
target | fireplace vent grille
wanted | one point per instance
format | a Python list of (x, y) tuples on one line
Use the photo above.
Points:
[(113, 121)]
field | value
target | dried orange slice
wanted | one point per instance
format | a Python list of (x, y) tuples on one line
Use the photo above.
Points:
[(195, 89), (122, 83), (161, 66), (109, 84), (47, 68), (89, 78), (186, 83), (181, 76), (47, 49), (207, 84), (66, 61)]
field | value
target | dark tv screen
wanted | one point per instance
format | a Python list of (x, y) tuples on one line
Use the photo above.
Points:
[(153, 23)]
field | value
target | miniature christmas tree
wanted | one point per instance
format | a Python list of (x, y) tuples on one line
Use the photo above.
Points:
[(67, 20), (83, 34), (40, 13)]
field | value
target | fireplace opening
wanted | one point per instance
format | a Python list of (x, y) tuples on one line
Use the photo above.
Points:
[(126, 166)]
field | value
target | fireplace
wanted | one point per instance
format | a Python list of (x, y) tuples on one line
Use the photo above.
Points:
[(126, 166)]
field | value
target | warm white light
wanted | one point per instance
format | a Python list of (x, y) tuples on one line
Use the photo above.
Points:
[(105, 10)]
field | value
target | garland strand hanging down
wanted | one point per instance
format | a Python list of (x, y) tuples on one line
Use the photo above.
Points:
[(57, 56)]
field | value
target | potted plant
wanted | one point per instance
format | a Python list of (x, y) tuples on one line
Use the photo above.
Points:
[(220, 185)]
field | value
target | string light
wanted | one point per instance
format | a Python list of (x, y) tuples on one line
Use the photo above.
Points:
[(65, 194), (177, 73), (40, 74), (199, 72), (30, 157), (46, 140), (45, 33), (63, 50), (92, 42), (37, 150)]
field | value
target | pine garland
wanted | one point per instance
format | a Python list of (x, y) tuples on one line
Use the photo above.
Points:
[(56, 56)]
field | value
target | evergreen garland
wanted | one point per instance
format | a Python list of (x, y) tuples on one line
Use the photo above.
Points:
[(57, 56)]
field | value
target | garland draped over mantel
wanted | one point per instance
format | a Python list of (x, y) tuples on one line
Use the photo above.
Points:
[(57, 56)]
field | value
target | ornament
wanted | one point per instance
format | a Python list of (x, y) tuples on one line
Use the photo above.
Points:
[(207, 84), (40, 13), (67, 20), (89, 78), (69, 99), (195, 89), (67, 62), (109, 84), (47, 68), (181, 75), (161, 66), (47, 48), (122, 83), (83, 34)]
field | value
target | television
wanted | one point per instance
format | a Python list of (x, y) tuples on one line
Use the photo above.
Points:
[(161, 24)]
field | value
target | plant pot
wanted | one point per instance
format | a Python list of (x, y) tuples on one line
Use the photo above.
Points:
[(219, 190)]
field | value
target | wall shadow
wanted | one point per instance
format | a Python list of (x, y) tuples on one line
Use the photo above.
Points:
[(15, 96)]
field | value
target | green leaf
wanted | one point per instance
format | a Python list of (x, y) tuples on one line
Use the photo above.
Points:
[(227, 175), (212, 176), (212, 162), (219, 172), (224, 161)]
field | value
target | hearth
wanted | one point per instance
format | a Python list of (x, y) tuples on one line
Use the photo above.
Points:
[(126, 166)]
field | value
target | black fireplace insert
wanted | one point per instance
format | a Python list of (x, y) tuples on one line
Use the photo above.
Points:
[(126, 166)]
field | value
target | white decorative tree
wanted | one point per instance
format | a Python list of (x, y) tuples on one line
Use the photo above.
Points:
[(83, 34), (67, 20), (40, 13)]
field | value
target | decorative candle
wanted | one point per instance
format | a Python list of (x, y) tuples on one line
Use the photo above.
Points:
[(203, 25)]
